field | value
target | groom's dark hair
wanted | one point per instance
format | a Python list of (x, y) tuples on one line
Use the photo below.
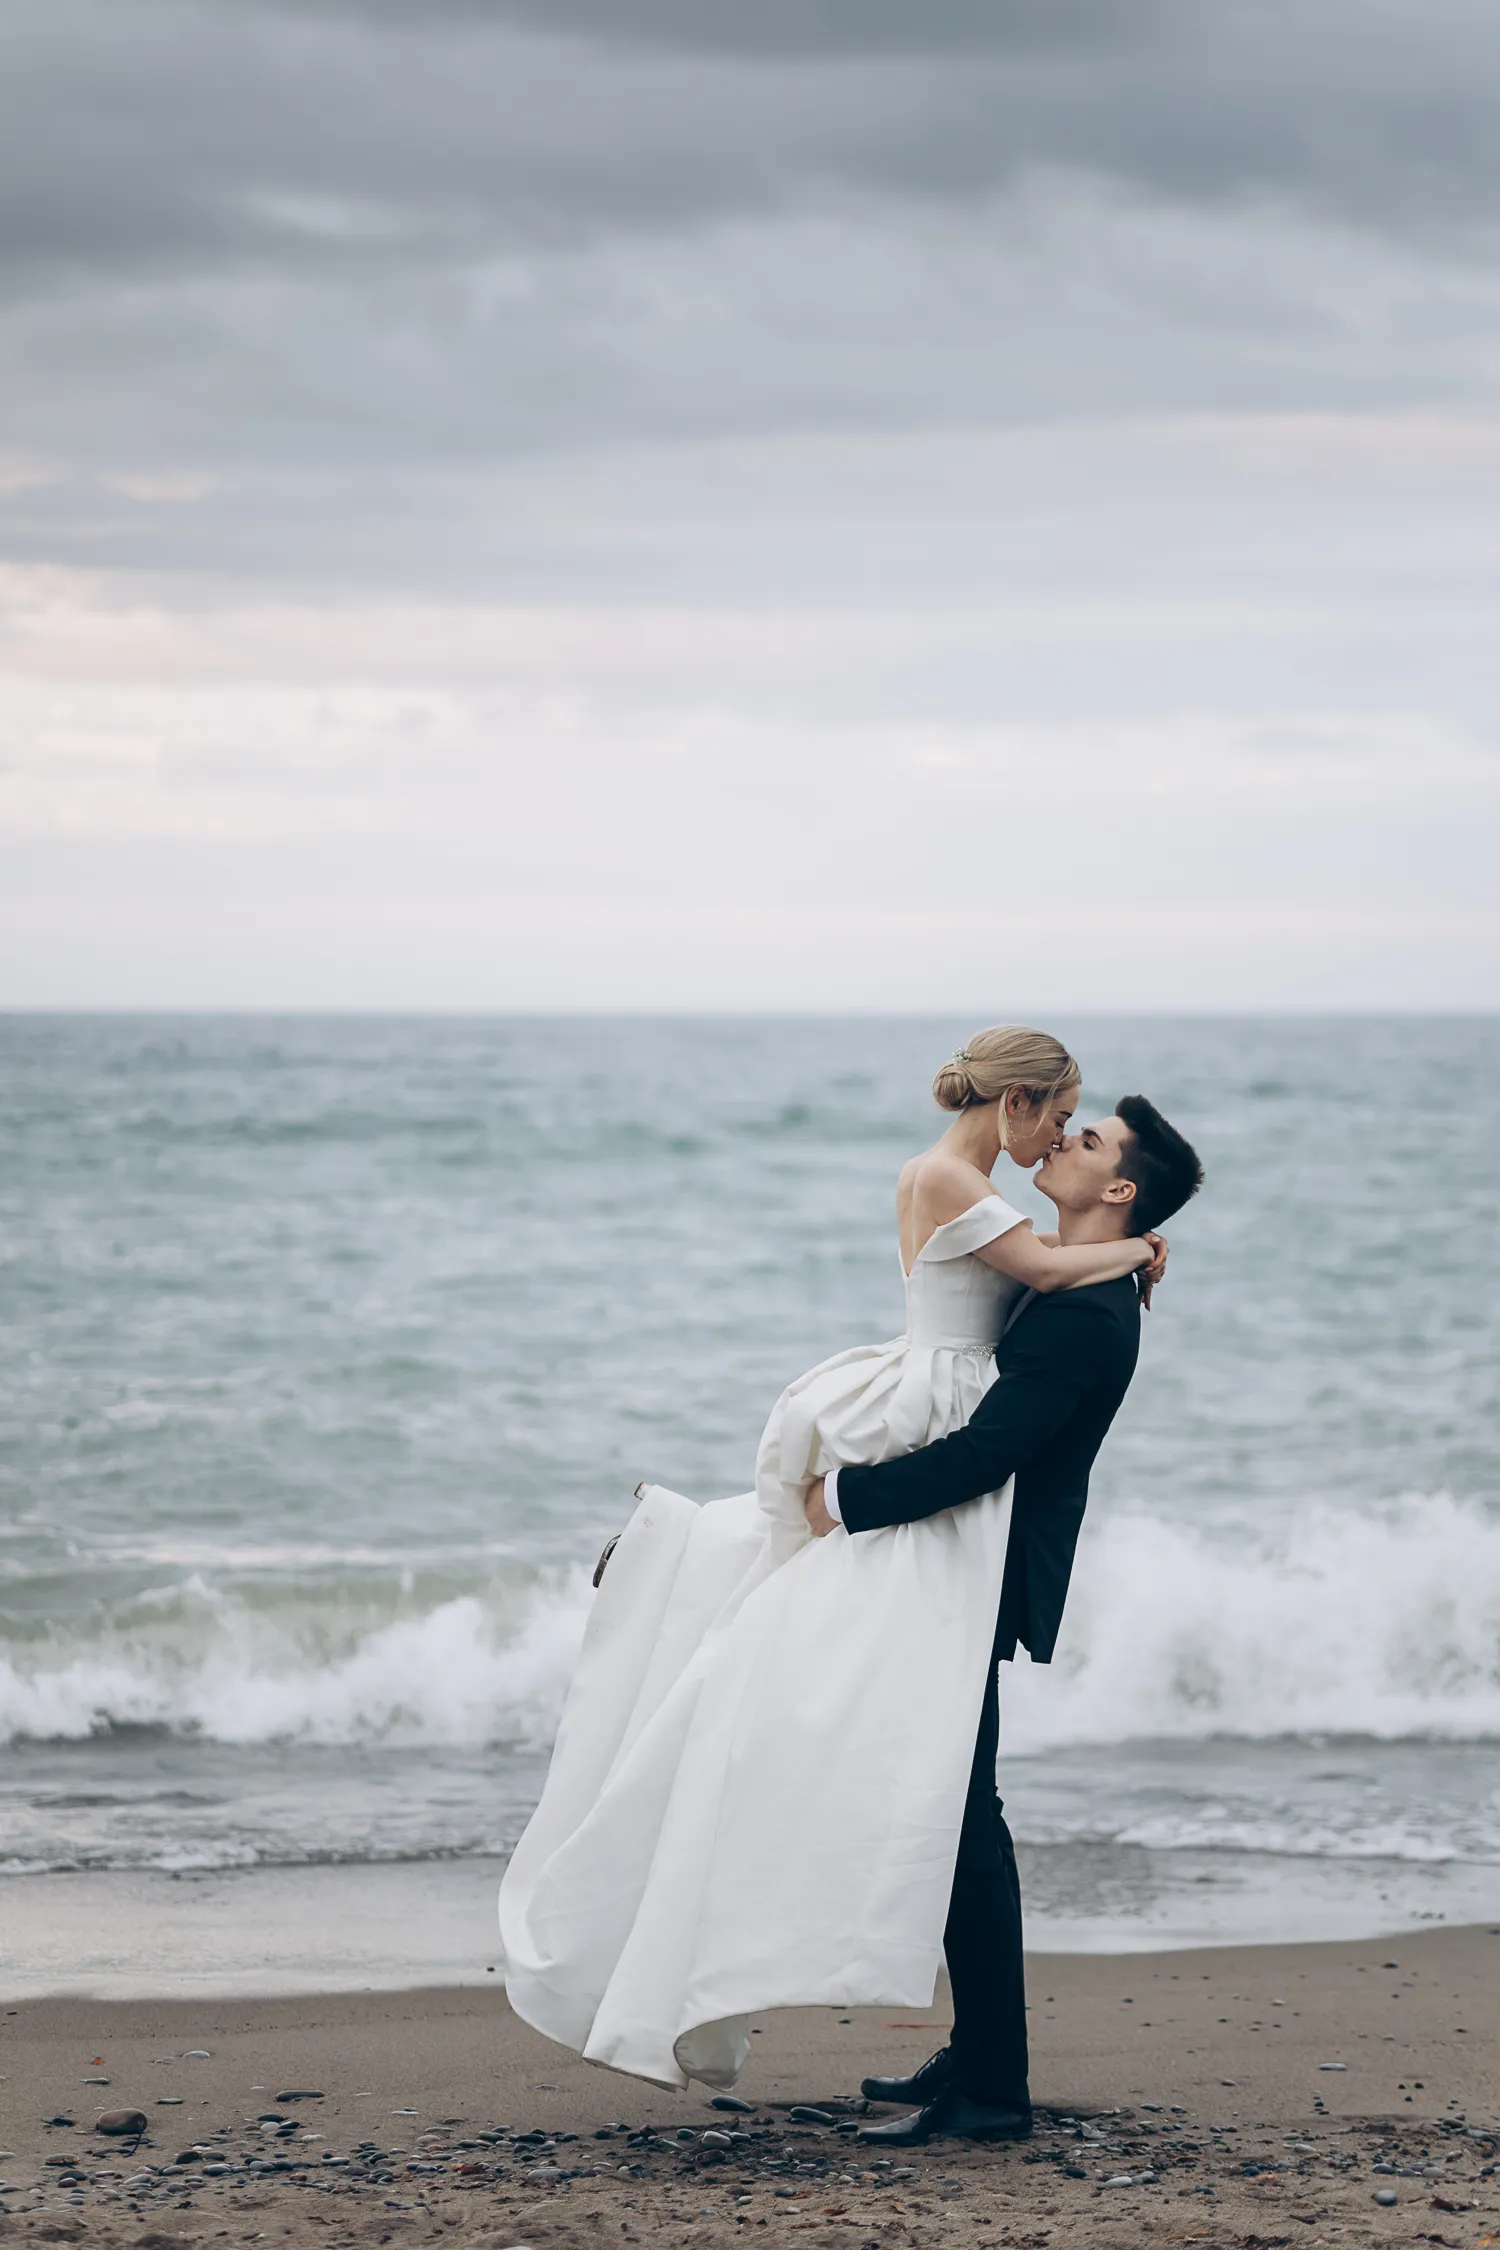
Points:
[(1164, 1168)]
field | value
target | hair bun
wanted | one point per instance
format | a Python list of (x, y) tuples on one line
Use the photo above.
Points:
[(991, 1063), (953, 1087)]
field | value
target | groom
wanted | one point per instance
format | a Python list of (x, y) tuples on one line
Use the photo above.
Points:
[(1061, 1370)]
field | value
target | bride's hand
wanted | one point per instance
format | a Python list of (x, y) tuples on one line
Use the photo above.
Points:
[(819, 1521), (1148, 1276)]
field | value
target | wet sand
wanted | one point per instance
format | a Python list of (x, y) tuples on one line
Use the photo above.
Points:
[(1184, 2097)]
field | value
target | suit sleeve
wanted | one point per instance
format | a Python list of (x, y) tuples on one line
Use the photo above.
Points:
[(1056, 1356)]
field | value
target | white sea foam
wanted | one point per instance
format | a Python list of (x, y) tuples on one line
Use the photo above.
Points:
[(1302, 1835), (1384, 1623), (464, 1671)]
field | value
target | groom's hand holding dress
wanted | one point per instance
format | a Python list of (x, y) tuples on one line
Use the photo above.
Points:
[(819, 1521)]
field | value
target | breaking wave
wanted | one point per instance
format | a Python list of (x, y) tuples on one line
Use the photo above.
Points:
[(1384, 1623), (468, 1670)]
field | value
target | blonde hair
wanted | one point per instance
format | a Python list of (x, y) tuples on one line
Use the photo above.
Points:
[(1007, 1058)]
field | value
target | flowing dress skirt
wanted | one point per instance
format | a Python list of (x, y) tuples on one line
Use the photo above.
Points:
[(757, 1787)]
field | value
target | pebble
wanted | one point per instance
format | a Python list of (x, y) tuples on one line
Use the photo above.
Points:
[(711, 2139), (801, 2114), (731, 2101), (197, 2054), (1333, 2066), (57, 2120), (1120, 2179), (1385, 2195), (301, 2094), (121, 2121)]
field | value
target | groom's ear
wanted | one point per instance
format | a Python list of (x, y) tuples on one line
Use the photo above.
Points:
[(1119, 1192)]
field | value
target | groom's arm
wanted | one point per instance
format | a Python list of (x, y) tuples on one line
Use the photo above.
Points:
[(1054, 1359)]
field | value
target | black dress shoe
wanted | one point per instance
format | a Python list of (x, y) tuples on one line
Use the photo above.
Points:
[(920, 2087), (951, 2115)]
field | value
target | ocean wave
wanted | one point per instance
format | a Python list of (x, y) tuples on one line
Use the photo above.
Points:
[(228, 1856), (195, 1660), (1288, 1836), (1381, 1624)]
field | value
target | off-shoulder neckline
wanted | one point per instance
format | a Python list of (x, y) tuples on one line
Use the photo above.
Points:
[(991, 1195)]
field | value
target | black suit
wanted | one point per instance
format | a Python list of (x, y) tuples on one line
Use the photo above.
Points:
[(1060, 1374)]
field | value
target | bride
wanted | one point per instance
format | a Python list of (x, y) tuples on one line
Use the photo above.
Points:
[(755, 1796)]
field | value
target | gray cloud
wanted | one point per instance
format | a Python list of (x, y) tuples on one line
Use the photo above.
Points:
[(142, 133), (795, 28), (662, 456), (343, 261)]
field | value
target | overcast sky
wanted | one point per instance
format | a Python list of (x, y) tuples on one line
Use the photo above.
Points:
[(749, 503)]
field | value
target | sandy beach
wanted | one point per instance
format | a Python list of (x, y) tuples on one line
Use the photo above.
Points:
[(1254, 2096)]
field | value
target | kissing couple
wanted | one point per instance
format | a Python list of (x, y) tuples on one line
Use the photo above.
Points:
[(774, 1783)]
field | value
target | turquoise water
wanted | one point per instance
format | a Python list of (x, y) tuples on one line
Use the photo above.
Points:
[(333, 1349)]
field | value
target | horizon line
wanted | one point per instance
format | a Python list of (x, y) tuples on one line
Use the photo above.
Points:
[(28, 1011)]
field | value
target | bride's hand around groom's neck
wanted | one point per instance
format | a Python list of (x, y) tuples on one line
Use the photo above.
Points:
[(1147, 1277)]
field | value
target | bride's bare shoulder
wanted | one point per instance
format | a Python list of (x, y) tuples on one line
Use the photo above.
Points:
[(940, 1185)]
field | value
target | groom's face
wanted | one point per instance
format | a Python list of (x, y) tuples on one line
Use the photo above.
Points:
[(1085, 1169)]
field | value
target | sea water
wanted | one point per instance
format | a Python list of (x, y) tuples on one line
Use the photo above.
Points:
[(332, 1350)]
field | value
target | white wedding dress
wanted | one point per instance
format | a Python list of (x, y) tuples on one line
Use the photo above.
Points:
[(756, 1792)]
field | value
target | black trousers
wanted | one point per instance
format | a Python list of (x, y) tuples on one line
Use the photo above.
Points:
[(982, 1940)]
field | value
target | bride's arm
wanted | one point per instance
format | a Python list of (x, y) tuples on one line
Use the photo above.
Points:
[(947, 1191), (1146, 1276), (1045, 1266)]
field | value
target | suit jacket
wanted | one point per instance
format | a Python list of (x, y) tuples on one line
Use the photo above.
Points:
[(1060, 1374)]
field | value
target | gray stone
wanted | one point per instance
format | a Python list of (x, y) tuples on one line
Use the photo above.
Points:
[(121, 2121)]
